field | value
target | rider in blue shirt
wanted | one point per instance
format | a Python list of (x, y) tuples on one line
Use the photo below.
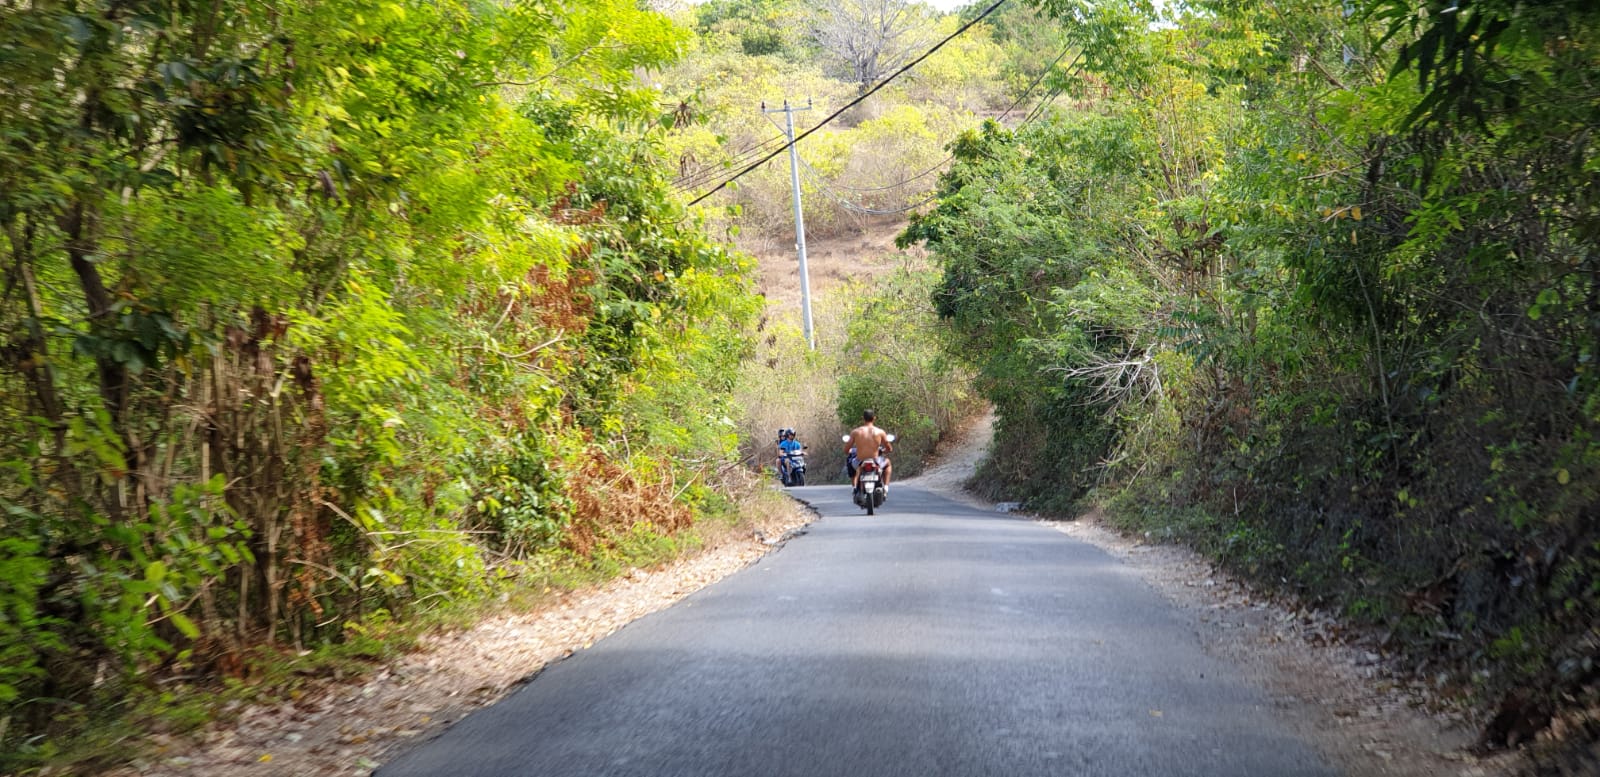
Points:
[(786, 444)]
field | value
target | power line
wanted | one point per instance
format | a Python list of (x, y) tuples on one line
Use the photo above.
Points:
[(832, 190), (736, 159), (883, 211), (1036, 81), (710, 172), (837, 196), (1033, 114), (1038, 110), (892, 211), (892, 76), (900, 184), (820, 178), (1007, 112)]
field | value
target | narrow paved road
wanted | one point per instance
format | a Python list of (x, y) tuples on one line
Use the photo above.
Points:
[(929, 640)]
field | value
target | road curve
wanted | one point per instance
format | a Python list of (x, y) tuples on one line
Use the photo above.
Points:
[(931, 640)]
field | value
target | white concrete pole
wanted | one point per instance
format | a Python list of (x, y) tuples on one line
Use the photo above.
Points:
[(799, 219)]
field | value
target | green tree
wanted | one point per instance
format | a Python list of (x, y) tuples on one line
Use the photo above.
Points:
[(312, 311), (1325, 282)]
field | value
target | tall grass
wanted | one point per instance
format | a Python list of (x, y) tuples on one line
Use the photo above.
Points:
[(788, 385), (881, 350)]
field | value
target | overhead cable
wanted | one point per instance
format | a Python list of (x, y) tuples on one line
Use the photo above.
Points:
[(888, 211), (897, 185), (710, 172), (1007, 112), (892, 76), (1036, 81), (828, 189), (1038, 110), (738, 158)]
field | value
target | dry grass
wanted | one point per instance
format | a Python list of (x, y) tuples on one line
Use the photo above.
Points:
[(830, 261), (609, 497), (785, 385), (789, 386)]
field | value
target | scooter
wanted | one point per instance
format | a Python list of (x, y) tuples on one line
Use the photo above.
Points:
[(869, 492), (792, 467)]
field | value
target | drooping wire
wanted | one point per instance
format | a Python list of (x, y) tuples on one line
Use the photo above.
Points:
[(869, 189), (832, 194), (836, 189), (744, 155), (1037, 81), (892, 76), (850, 206), (1033, 114), (818, 176), (823, 186), (710, 172), (703, 173), (1038, 110), (1003, 114)]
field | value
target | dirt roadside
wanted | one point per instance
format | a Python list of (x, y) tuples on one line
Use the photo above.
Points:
[(349, 729), (1325, 683), (1331, 685), (1328, 683)]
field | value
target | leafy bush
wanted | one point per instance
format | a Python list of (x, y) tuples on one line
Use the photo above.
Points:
[(1342, 339), (893, 362), (342, 330), (787, 385)]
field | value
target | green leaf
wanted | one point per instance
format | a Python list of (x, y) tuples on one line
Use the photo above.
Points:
[(184, 625)]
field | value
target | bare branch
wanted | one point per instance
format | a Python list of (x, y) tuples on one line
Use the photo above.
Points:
[(870, 37), (1118, 382)]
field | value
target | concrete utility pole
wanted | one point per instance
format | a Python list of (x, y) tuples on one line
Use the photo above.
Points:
[(799, 218)]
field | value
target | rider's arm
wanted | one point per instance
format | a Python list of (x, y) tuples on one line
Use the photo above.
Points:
[(888, 446)]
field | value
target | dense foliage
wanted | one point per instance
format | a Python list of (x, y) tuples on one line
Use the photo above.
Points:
[(893, 361), (877, 159), (880, 346), (859, 175), (1319, 290), (315, 311)]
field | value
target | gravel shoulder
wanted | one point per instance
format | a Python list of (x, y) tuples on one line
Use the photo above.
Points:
[(1330, 685), (351, 728), (1326, 685), (1333, 686)]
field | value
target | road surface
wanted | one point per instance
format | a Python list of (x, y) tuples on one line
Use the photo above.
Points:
[(931, 640)]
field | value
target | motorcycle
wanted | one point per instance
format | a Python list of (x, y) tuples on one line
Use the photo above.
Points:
[(792, 467), (869, 492)]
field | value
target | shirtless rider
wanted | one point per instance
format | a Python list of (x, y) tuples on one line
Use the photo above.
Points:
[(867, 440)]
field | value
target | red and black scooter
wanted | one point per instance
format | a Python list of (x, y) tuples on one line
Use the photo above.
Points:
[(869, 492)]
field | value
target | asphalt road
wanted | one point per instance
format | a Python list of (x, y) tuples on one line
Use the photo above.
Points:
[(929, 640)]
